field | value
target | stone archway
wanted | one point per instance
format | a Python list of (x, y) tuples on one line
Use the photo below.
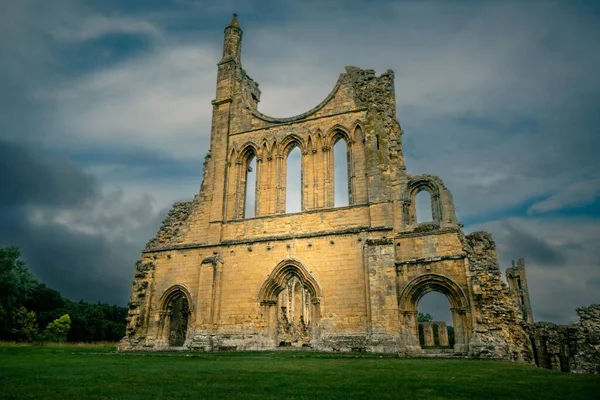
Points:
[(176, 310), (290, 301), (408, 300)]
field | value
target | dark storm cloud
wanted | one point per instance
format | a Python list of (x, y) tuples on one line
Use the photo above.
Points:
[(36, 191), (29, 178), (498, 98), (79, 266), (532, 248), (561, 258), (594, 283)]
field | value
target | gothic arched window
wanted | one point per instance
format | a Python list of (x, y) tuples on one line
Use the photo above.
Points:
[(423, 206), (340, 173), (250, 189), (293, 192)]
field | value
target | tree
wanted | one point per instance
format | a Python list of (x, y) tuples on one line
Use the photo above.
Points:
[(45, 299), (24, 324), (57, 330), (44, 306), (424, 317), (17, 286), (96, 321)]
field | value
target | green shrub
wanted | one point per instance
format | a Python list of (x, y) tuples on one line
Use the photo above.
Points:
[(57, 330), (24, 324)]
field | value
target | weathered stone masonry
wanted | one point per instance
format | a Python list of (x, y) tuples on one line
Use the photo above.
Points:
[(569, 348), (333, 279)]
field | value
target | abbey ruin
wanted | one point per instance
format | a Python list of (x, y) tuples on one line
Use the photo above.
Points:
[(329, 278)]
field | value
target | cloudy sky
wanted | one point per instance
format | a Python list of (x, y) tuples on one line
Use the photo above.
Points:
[(105, 120)]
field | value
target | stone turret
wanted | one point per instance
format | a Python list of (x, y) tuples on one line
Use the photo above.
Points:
[(517, 282), (232, 44)]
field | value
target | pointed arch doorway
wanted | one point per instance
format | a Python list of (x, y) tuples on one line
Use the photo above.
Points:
[(290, 301), (176, 310)]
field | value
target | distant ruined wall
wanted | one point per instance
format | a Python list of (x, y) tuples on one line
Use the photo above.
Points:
[(499, 330), (516, 277), (569, 348)]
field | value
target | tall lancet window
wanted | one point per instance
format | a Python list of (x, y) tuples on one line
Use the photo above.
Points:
[(340, 176), (250, 190), (423, 206), (293, 193)]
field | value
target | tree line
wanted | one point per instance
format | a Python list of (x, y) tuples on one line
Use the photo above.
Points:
[(29, 310)]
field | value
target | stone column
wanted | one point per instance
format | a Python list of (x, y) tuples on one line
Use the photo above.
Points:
[(359, 188), (315, 318), (308, 180), (230, 205), (328, 189), (281, 176), (460, 336), (443, 334), (162, 336), (269, 312), (428, 334), (381, 271), (271, 192), (240, 191)]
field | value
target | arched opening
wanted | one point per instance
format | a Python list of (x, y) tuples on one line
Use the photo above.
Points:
[(293, 193), (250, 189), (426, 201), (178, 323), (423, 206), (294, 313), (409, 305), (290, 300), (340, 177), (175, 315), (435, 321)]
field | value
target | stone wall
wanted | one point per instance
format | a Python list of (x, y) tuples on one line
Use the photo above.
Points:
[(499, 330), (569, 348), (331, 278), (139, 300), (172, 226)]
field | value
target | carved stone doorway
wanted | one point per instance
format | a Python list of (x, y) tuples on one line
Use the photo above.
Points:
[(294, 314), (290, 301), (178, 321), (176, 312)]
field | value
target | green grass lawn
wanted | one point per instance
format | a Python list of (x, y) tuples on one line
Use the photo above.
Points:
[(80, 372)]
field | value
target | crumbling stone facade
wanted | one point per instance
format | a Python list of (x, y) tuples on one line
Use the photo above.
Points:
[(569, 348), (499, 330), (328, 278)]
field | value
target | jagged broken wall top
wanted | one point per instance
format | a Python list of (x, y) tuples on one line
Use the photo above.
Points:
[(569, 348), (357, 90), (499, 328)]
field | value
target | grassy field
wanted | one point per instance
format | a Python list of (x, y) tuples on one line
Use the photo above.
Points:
[(82, 372)]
